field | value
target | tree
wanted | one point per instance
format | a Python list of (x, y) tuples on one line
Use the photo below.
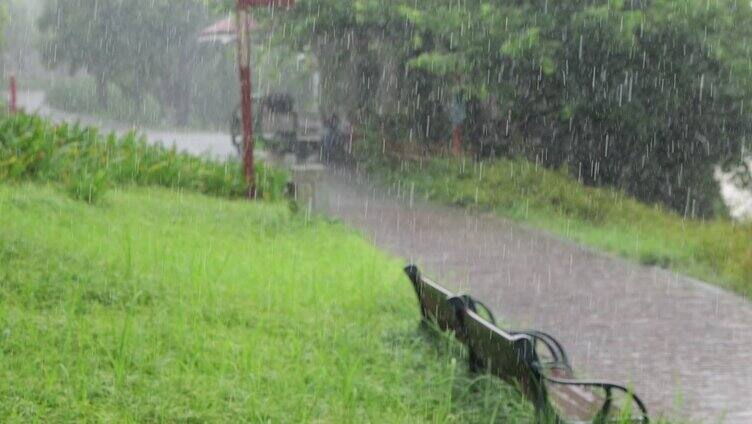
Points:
[(82, 34), (141, 46), (3, 23), (18, 37), (648, 96)]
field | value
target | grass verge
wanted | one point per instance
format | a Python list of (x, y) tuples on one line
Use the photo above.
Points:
[(170, 306), (718, 251)]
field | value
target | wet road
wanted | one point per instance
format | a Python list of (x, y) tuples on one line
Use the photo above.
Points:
[(685, 346)]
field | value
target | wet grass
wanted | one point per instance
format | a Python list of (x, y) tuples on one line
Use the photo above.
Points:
[(161, 305), (87, 164), (718, 251)]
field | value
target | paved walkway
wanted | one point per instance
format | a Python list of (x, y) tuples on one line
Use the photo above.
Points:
[(685, 346)]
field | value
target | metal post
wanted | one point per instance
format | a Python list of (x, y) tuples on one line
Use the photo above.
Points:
[(246, 100), (13, 94)]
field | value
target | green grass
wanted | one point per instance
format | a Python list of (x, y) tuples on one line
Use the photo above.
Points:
[(160, 305), (718, 251)]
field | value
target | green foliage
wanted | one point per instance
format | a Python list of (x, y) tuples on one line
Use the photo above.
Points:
[(155, 72), (18, 39), (223, 6), (144, 47), (716, 250), (3, 24), (80, 95), (645, 96), (87, 184), (88, 163), (436, 63), (174, 307)]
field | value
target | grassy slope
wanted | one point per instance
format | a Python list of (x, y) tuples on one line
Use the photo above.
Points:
[(718, 251), (157, 305)]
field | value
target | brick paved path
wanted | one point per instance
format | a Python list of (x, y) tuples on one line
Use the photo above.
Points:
[(684, 345)]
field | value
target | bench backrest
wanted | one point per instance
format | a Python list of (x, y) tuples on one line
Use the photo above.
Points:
[(534, 361), (433, 300), (508, 356), (505, 355)]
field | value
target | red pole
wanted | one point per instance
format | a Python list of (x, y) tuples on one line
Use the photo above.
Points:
[(13, 94), (246, 101)]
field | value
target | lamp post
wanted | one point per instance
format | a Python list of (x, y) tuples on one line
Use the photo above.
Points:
[(246, 90)]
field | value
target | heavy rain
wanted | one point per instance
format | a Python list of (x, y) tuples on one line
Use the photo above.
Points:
[(376, 211)]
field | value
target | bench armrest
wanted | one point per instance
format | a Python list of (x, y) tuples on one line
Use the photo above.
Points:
[(560, 358), (609, 389)]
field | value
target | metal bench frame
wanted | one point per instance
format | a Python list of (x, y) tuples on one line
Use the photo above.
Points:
[(512, 355)]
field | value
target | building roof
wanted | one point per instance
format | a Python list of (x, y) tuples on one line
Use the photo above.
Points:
[(223, 31)]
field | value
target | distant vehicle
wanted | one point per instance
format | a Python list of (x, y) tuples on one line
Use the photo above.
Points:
[(281, 127)]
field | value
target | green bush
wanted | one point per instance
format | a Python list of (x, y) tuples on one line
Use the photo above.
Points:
[(87, 185), (87, 163)]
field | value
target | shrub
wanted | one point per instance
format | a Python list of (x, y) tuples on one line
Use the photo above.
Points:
[(87, 163), (87, 185)]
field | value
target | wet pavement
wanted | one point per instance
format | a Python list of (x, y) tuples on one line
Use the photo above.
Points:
[(685, 346)]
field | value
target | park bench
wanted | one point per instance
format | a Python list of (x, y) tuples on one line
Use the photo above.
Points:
[(532, 360)]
